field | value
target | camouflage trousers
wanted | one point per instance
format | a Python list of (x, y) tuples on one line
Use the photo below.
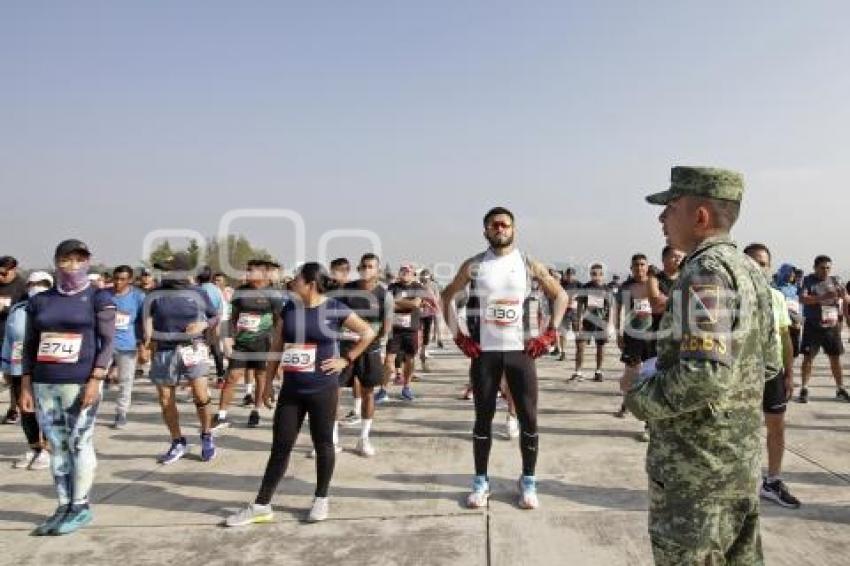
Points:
[(704, 531)]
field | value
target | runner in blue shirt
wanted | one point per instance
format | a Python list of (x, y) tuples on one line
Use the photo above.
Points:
[(129, 331)]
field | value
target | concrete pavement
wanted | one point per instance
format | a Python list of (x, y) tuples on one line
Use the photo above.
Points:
[(405, 506)]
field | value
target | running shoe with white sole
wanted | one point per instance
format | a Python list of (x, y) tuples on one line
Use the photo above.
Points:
[(319, 510), (528, 492), (250, 514), (842, 395), (777, 492), (208, 451), (480, 493), (41, 461), (598, 376), (254, 419), (365, 448), (176, 451), (351, 419), (219, 423)]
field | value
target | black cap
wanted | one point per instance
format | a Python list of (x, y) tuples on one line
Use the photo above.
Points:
[(70, 246), (8, 262), (178, 262)]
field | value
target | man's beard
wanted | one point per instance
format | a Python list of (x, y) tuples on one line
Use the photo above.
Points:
[(497, 243)]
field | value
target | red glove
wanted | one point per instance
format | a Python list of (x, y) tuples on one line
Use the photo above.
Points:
[(536, 347), (467, 345)]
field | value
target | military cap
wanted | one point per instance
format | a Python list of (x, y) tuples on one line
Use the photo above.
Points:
[(708, 182)]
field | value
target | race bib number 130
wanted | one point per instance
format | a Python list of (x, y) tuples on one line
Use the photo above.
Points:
[(503, 312), (59, 347)]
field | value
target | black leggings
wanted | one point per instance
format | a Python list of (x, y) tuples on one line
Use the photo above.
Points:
[(288, 417), (427, 330), (29, 422), (486, 375)]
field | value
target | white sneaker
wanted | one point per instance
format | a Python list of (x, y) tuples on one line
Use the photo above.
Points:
[(512, 427), (319, 511), (41, 461), (365, 448), (480, 493), (24, 462), (251, 513)]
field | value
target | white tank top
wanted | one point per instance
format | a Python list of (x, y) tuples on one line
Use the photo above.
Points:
[(502, 286)]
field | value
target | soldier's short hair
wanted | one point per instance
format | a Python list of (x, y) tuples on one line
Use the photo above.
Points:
[(724, 213)]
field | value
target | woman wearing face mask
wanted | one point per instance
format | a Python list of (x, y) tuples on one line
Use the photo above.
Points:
[(36, 457), (67, 348), (306, 340)]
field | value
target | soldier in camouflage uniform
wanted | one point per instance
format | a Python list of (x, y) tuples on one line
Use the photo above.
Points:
[(703, 401)]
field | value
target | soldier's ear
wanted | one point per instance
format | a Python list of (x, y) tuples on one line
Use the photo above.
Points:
[(703, 217)]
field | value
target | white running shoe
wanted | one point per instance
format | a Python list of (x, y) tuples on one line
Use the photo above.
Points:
[(319, 511), (41, 461), (365, 448), (250, 514)]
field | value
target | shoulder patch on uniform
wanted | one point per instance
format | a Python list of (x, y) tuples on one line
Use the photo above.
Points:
[(706, 303)]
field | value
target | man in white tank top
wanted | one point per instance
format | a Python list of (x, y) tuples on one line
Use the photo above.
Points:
[(499, 344)]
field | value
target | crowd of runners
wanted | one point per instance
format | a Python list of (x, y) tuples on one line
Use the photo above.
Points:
[(314, 343)]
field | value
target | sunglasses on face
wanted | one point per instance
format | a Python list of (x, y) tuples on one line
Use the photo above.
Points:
[(498, 224)]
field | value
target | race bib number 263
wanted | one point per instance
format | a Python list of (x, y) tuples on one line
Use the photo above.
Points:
[(299, 358)]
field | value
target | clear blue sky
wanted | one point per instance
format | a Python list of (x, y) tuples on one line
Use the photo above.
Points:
[(412, 118)]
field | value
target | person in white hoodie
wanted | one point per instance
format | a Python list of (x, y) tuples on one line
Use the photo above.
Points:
[(36, 457)]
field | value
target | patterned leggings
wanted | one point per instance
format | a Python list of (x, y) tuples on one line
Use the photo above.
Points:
[(70, 434)]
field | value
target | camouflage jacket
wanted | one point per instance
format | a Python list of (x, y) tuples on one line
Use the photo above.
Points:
[(715, 351)]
